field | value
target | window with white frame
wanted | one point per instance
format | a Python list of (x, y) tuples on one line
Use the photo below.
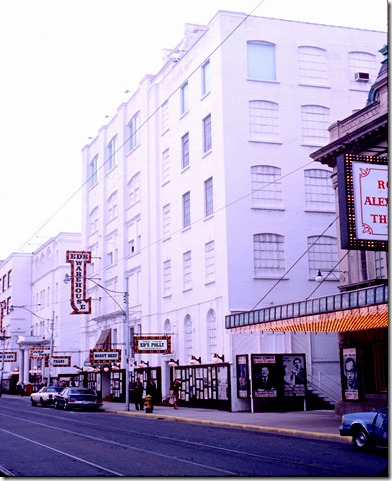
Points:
[(188, 338), (111, 160), (206, 78), (112, 207), (166, 221), (167, 278), (212, 336), (319, 193), (94, 220), (165, 116), (269, 261), (210, 261), (315, 122), (207, 134), (134, 189), (165, 166), (261, 60), (186, 210), (380, 264), (208, 197), (362, 63), (111, 249), (134, 236), (312, 66), (322, 255), (266, 186), (185, 151), (134, 131), (184, 101), (264, 121), (93, 172), (187, 270)]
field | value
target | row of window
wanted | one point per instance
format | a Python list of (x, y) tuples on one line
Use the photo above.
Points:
[(266, 194), (268, 259), (312, 64)]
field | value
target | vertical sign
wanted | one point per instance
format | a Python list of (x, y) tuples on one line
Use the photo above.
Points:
[(79, 301)]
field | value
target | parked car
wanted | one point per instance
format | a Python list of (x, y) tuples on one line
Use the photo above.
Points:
[(368, 429), (77, 398), (45, 396)]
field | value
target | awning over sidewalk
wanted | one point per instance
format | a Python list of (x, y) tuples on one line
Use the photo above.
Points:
[(369, 317)]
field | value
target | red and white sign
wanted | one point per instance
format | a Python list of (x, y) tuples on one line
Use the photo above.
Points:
[(79, 301), (370, 188)]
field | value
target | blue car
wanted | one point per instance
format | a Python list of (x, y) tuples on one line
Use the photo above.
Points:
[(368, 429)]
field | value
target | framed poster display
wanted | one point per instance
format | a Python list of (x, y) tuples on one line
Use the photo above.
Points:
[(243, 383), (294, 375), (349, 374), (264, 376)]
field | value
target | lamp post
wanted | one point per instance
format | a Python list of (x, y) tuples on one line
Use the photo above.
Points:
[(67, 279)]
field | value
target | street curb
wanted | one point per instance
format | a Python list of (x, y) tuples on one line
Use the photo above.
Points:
[(290, 432)]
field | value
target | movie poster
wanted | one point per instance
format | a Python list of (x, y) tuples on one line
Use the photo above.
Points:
[(264, 379), (242, 377), (294, 375), (350, 374)]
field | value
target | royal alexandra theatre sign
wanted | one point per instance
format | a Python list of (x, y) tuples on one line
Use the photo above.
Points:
[(363, 202)]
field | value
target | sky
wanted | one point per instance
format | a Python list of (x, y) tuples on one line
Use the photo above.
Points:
[(66, 65)]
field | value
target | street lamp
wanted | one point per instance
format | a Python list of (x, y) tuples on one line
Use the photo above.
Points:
[(195, 360), (321, 278), (67, 280), (216, 358)]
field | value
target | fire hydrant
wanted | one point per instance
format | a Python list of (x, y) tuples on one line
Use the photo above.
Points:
[(148, 404)]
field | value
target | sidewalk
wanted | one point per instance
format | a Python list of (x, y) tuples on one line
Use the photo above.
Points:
[(315, 424)]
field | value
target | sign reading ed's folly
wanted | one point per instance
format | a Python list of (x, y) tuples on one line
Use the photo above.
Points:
[(151, 344), (79, 301)]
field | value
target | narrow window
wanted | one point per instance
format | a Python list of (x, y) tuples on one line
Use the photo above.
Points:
[(185, 150), (133, 131), (208, 197), (184, 98), (206, 78), (187, 270), (186, 210), (207, 134), (111, 154), (210, 261)]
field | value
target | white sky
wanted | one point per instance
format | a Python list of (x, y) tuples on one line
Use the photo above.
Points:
[(65, 64)]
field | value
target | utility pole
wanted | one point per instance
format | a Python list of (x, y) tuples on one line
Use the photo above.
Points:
[(127, 347), (50, 360), (3, 338)]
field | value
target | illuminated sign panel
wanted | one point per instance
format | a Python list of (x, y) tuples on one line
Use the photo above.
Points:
[(79, 301), (152, 344), (39, 352), (59, 361), (8, 356), (363, 202), (102, 355)]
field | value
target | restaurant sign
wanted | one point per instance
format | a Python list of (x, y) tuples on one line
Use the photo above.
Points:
[(152, 344)]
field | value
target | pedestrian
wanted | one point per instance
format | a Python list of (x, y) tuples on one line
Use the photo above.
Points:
[(138, 394), (151, 389), (174, 393)]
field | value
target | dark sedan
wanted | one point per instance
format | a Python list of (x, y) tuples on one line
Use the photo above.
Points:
[(368, 429), (77, 398)]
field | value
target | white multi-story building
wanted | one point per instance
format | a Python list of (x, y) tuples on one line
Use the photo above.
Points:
[(201, 192), (37, 309)]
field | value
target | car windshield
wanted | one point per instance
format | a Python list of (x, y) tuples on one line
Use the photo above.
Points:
[(82, 391), (54, 389)]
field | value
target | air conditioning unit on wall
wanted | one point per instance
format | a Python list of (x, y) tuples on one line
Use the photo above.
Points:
[(362, 76)]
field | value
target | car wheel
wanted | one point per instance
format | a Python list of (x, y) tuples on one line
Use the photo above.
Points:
[(361, 440), (33, 403), (43, 403), (56, 405)]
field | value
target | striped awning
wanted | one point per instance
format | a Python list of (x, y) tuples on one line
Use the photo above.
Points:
[(360, 319)]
